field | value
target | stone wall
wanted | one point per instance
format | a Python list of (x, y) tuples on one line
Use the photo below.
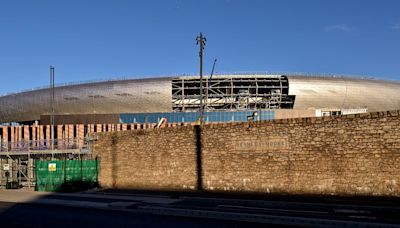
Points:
[(347, 155), (155, 159)]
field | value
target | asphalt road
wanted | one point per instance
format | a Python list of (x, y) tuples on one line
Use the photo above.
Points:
[(105, 209), (35, 215)]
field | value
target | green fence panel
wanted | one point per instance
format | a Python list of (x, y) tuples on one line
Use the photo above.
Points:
[(54, 175), (90, 171), (73, 171), (49, 175)]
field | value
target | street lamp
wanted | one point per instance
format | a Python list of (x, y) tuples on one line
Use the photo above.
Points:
[(253, 116)]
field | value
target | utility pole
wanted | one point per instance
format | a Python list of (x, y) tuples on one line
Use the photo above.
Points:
[(201, 41), (52, 110)]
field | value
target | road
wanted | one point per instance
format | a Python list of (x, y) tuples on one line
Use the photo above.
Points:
[(31, 209), (36, 215)]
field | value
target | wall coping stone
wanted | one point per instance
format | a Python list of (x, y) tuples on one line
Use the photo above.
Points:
[(309, 120)]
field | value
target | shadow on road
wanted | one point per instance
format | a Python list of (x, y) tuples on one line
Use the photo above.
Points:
[(127, 207)]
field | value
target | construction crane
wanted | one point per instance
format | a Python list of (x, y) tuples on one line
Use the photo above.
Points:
[(209, 81)]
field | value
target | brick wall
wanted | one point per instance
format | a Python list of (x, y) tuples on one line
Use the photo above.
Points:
[(347, 155)]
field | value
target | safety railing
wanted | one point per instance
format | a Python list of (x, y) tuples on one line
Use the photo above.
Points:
[(43, 145)]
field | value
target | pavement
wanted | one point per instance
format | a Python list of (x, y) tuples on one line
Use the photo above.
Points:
[(194, 210)]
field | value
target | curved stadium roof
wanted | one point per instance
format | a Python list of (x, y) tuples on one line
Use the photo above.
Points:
[(155, 95)]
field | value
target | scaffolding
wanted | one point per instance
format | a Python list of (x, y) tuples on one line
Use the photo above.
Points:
[(232, 93), (17, 159)]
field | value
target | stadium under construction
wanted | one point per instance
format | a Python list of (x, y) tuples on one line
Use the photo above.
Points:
[(81, 109)]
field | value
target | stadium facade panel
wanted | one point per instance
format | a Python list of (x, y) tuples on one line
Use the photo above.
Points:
[(222, 93), (119, 96), (344, 93)]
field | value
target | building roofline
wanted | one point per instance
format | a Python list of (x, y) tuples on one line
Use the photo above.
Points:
[(171, 76)]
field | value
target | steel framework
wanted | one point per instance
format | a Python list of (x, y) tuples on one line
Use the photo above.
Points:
[(232, 93)]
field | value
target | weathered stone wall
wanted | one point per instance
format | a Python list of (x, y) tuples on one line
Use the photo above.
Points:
[(348, 155), (148, 159)]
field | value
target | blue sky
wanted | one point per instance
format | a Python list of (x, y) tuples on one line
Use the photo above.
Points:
[(88, 40)]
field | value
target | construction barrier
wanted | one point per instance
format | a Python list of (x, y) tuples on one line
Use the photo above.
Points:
[(66, 175)]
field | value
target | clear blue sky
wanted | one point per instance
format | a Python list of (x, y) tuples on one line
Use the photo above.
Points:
[(96, 39)]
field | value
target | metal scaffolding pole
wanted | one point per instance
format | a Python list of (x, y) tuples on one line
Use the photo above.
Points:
[(52, 110)]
